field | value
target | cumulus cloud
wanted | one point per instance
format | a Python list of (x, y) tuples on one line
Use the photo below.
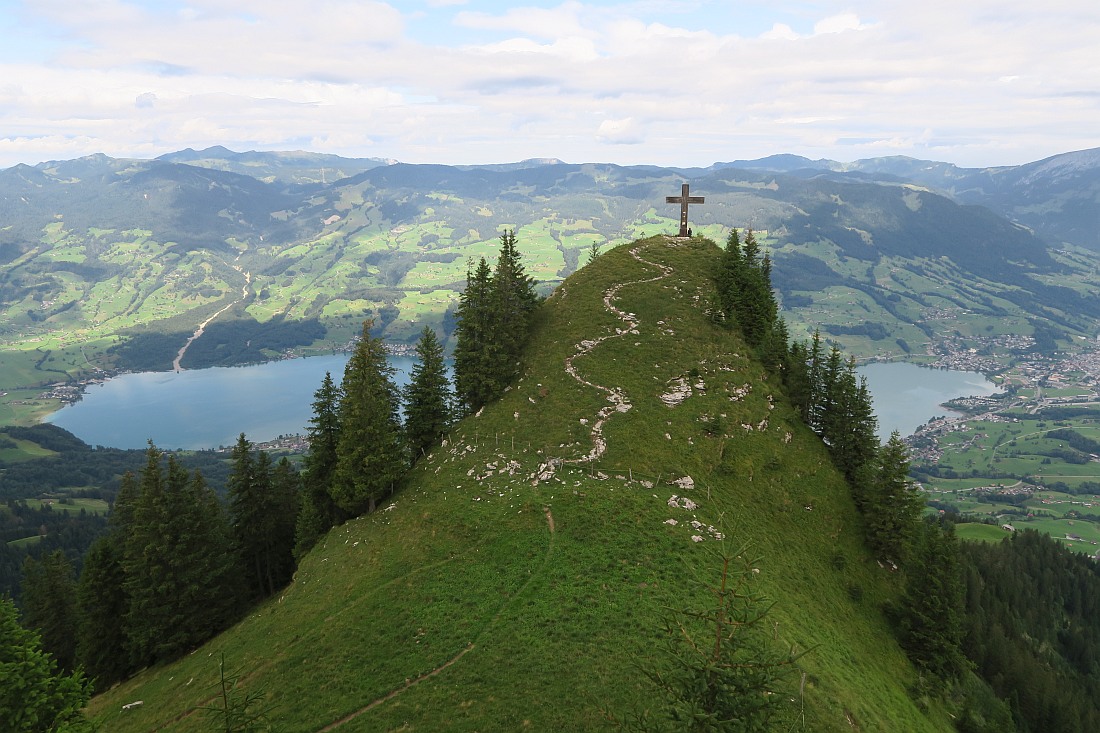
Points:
[(780, 31), (620, 132), (839, 24), (998, 83)]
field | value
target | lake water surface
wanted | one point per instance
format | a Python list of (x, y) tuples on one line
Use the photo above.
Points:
[(205, 408), (906, 396), (208, 408)]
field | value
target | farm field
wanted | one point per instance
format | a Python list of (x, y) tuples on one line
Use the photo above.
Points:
[(1072, 520), (1030, 459), (71, 505)]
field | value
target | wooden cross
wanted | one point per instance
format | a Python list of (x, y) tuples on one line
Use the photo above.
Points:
[(683, 199)]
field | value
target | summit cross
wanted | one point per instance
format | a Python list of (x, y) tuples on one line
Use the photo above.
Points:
[(683, 199)]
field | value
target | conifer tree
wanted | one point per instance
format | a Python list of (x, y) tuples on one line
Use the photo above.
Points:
[(49, 605), (259, 518), (932, 607), (513, 301), (849, 424), (34, 696), (286, 488), (101, 608), (317, 510), (831, 396), (745, 294), (102, 602), (730, 275), (370, 453), (494, 316), (145, 564), (203, 563), (775, 351), (724, 671), (815, 379), (756, 307), (477, 350), (427, 397), (894, 504), (180, 573)]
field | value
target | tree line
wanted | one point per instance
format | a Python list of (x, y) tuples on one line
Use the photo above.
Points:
[(177, 565), (1007, 634), (824, 389), (359, 449)]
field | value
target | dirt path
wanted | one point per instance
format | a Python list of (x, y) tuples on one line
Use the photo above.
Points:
[(394, 693), (466, 650), (202, 326), (618, 400)]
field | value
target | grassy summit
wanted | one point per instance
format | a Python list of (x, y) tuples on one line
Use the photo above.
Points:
[(524, 571)]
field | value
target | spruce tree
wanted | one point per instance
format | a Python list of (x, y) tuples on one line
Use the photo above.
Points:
[(932, 608), (513, 301), (101, 608), (34, 696), (755, 301), (832, 396), (477, 351), (209, 580), (722, 668), (427, 397), (894, 504), (286, 487), (145, 564), (317, 510), (260, 518), (815, 378), (179, 565), (370, 454), (797, 379), (49, 605), (731, 269), (102, 601), (493, 319)]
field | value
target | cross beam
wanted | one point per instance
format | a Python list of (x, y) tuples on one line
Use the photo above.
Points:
[(683, 199)]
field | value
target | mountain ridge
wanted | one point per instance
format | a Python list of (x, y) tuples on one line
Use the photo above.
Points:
[(533, 551)]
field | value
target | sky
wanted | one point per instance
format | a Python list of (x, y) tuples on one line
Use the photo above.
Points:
[(664, 82)]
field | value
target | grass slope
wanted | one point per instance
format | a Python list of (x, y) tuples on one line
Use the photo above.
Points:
[(523, 573)]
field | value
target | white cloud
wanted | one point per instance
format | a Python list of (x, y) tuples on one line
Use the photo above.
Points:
[(975, 83), (620, 132), (544, 23), (839, 24), (781, 31)]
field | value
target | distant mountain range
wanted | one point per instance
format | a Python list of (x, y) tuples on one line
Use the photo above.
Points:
[(890, 256), (1058, 197)]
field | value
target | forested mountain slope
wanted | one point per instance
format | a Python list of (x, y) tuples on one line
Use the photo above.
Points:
[(523, 576)]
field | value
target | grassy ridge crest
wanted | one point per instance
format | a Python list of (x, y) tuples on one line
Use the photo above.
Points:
[(522, 574)]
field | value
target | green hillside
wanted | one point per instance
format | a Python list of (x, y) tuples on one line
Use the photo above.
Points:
[(522, 574), (111, 265)]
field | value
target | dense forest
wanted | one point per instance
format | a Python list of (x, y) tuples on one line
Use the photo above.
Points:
[(1032, 630), (37, 497), (227, 341)]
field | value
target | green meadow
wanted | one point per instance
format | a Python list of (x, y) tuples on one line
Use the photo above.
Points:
[(510, 563)]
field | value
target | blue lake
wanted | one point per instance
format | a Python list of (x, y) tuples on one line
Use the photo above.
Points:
[(208, 408), (205, 408), (906, 396)]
